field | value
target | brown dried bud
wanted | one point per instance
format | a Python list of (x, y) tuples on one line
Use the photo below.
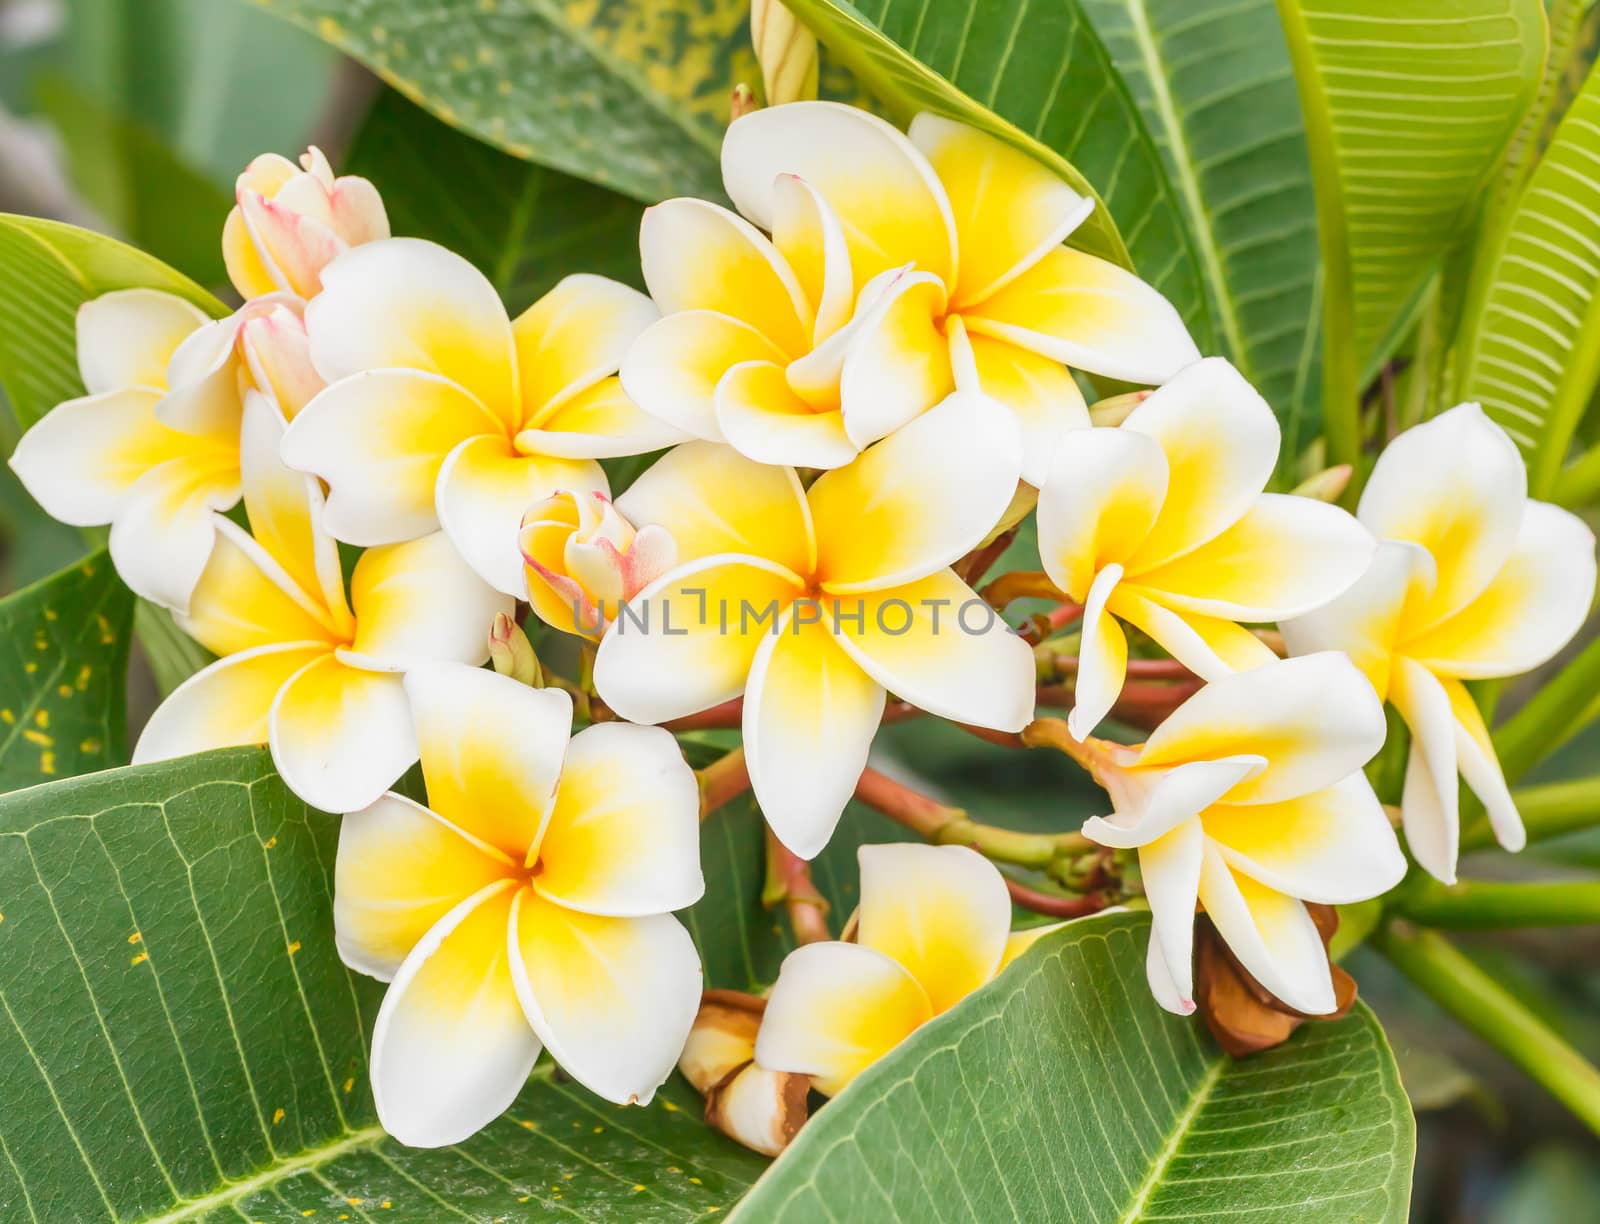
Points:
[(761, 1109)]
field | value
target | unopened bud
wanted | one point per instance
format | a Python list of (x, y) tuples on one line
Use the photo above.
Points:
[(512, 653), (584, 561), (1327, 485), (742, 102), (1117, 408), (787, 52)]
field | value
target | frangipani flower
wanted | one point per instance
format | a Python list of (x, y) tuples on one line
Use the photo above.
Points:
[(584, 560), (934, 925), (302, 669), (291, 221), (1250, 798), (447, 413), (948, 243), (1162, 522), (812, 602), (1471, 581), (118, 456), (530, 902)]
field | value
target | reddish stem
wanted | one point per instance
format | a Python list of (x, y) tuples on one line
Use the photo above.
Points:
[(725, 778), (1057, 907), (900, 803), (789, 880), (977, 563)]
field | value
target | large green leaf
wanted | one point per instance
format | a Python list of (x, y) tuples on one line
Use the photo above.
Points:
[(63, 674), (1062, 1092), (1037, 76), (1213, 81), (1408, 105), (632, 96), (48, 270), (1530, 349), (181, 1042), (525, 226)]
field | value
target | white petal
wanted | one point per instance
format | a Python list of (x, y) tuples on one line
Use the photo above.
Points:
[(1272, 936), (1151, 803), (165, 529), (672, 370), (1429, 805), (573, 337), (126, 337), (1102, 658), (341, 736), (82, 457), (897, 364), (1171, 869), (1480, 769), (1097, 506), (1162, 984)]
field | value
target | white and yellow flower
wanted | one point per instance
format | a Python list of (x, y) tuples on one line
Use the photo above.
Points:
[(1250, 799), (289, 222), (813, 602), (946, 243), (444, 412), (934, 925), (316, 676), (528, 904), (1161, 522), (1471, 581), (585, 560)]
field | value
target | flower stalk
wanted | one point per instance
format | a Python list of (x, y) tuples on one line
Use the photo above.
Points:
[(789, 884), (723, 780), (1489, 904)]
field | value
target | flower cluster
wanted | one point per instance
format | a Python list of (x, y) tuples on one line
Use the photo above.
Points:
[(867, 376)]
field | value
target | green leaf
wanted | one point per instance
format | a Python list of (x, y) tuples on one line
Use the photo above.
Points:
[(1213, 82), (1063, 1092), (1530, 350), (1038, 77), (1407, 112), (523, 225), (181, 1042), (63, 675), (631, 96), (48, 270)]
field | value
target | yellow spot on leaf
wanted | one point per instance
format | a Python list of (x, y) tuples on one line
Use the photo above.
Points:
[(694, 1181), (30, 667), (42, 718), (277, 1116), (638, 1188), (47, 762), (669, 1106), (7, 717), (39, 738), (294, 947), (386, 1204), (599, 1130), (330, 29), (65, 690), (136, 937), (355, 1202), (49, 614), (349, 1083), (89, 745), (269, 843), (85, 674), (141, 958)]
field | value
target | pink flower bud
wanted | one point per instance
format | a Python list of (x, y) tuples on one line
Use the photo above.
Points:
[(291, 221), (585, 560)]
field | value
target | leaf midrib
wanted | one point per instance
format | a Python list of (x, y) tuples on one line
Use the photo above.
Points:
[(1198, 1100)]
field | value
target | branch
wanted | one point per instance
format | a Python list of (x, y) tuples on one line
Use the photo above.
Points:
[(1491, 904), (726, 778), (1057, 906), (946, 825), (1457, 983), (789, 883)]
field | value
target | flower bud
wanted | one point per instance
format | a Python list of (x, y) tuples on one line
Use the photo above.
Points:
[(1327, 485), (1117, 408), (277, 354), (759, 1108), (512, 653), (290, 222), (787, 52), (585, 560), (262, 345)]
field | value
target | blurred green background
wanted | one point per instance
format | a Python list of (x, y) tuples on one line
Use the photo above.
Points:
[(134, 116)]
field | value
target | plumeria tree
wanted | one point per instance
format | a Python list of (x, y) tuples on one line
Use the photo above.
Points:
[(557, 606)]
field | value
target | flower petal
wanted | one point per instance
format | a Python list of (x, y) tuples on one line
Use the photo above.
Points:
[(1150, 803), (1333, 846), (918, 500), (1009, 210), (810, 714), (1430, 803), (162, 539), (1271, 934), (1480, 768), (672, 370), (713, 500), (600, 422), (1091, 315), (897, 364), (341, 735), (126, 338), (1163, 985), (886, 196), (224, 704), (451, 1049), (245, 599), (623, 837), (764, 420), (250, 273), (812, 242), (1209, 647), (379, 440), (574, 336), (399, 870), (1170, 868), (940, 912), (1285, 556), (835, 1009), (1221, 442), (491, 750), (1102, 658), (418, 601), (1041, 395), (277, 352), (935, 644), (1365, 622), (613, 998), (1315, 719), (203, 379), (687, 641), (404, 303), (1529, 610), (1098, 504), (699, 256), (485, 487), (1450, 485)]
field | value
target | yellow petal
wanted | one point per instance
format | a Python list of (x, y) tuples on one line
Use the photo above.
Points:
[(1103, 493), (1206, 645), (246, 268), (572, 337), (600, 422), (810, 239), (341, 735), (418, 601), (1041, 394), (673, 369), (764, 420), (897, 363), (245, 599)]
